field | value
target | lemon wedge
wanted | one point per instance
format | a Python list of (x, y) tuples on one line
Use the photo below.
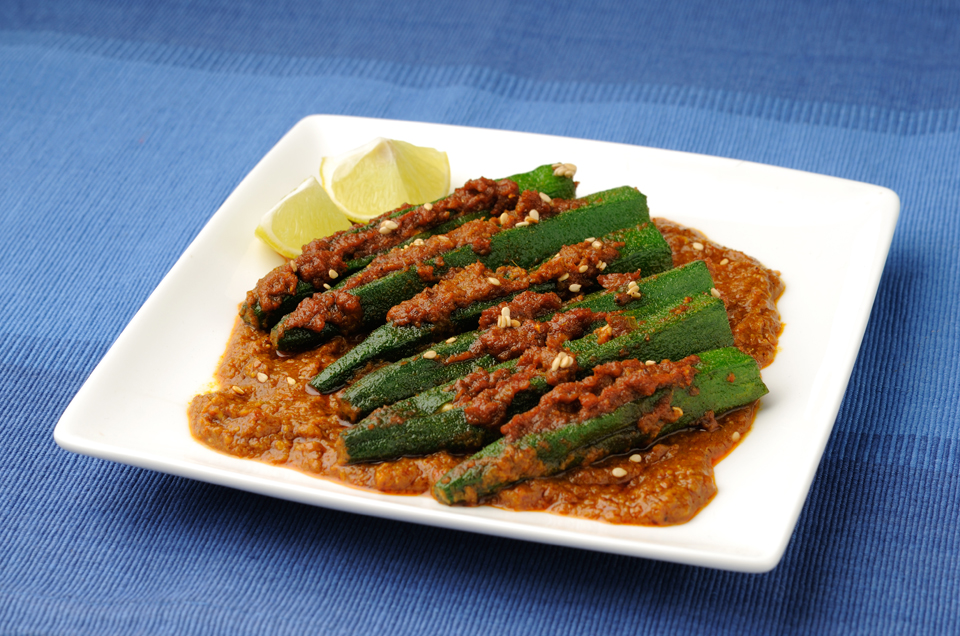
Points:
[(301, 216), (384, 174)]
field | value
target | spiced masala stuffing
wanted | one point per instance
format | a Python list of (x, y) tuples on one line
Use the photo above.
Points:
[(263, 409)]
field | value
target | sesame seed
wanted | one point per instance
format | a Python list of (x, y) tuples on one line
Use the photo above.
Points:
[(430, 355), (725, 261), (698, 247), (636, 458), (575, 288), (451, 340), (261, 377), (545, 197), (563, 278), (678, 411), (493, 281), (522, 224), (736, 436), (601, 266), (333, 273), (504, 218), (291, 381), (618, 472), (714, 292), (515, 323), (583, 268), (428, 206), (597, 245), (326, 286), (236, 389)]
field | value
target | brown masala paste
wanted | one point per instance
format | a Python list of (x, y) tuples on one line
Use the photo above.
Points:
[(458, 287), (323, 260), (263, 412)]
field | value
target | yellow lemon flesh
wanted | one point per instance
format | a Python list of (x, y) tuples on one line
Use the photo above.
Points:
[(383, 175), (301, 216)]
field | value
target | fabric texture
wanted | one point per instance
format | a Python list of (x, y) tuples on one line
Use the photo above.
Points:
[(123, 127)]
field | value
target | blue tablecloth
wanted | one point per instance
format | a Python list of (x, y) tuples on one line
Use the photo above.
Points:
[(124, 125)]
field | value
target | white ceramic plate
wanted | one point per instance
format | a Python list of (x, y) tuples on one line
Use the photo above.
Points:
[(829, 238)]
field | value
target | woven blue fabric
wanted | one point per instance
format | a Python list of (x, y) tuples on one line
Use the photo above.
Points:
[(123, 126)]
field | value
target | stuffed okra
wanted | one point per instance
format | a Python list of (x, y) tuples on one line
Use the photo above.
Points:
[(575, 269), (364, 300), (473, 408), (623, 406), (462, 354), (327, 261)]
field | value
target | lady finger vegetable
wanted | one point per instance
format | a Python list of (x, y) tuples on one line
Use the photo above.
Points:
[(389, 342), (366, 306), (722, 380), (327, 261), (670, 333), (414, 374)]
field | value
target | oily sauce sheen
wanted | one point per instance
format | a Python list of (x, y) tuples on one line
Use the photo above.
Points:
[(263, 412)]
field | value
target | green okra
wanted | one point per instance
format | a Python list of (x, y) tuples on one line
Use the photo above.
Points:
[(671, 332), (540, 179), (390, 342), (415, 374), (644, 248), (522, 246), (725, 379), (358, 264)]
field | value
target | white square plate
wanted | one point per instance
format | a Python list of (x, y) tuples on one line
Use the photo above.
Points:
[(829, 237)]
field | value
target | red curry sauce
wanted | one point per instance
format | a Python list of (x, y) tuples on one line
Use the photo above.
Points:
[(263, 412)]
